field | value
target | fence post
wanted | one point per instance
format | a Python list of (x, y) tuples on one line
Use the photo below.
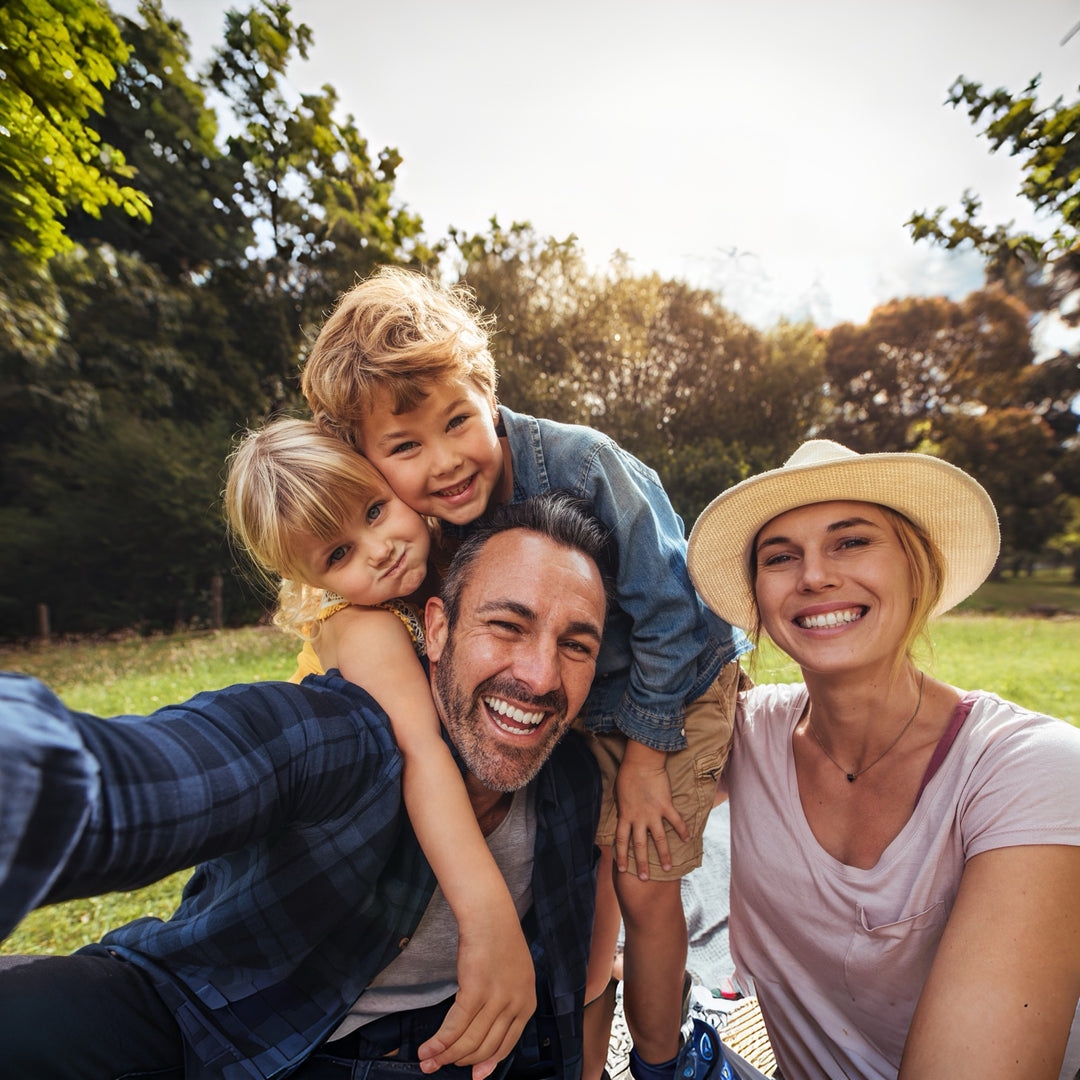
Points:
[(217, 618)]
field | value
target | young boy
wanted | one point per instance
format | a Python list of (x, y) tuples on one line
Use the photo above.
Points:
[(402, 371)]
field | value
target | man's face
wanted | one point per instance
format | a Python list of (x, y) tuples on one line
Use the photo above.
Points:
[(519, 663)]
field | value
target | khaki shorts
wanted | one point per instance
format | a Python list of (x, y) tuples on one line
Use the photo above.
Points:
[(692, 773)]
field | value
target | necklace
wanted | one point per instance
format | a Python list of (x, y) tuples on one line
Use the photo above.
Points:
[(853, 776)]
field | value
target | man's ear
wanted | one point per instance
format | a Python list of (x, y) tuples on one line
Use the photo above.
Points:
[(435, 628)]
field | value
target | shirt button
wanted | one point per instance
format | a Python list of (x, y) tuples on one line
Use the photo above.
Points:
[(403, 942), (682, 732)]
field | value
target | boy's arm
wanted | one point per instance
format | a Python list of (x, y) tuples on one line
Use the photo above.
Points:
[(669, 627), (497, 991)]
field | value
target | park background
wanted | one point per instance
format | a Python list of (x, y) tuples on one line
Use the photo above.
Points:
[(176, 221), (173, 231)]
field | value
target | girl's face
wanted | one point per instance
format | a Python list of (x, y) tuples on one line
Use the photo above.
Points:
[(380, 553), (833, 586)]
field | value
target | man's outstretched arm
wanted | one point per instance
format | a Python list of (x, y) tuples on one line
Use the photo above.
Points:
[(89, 805)]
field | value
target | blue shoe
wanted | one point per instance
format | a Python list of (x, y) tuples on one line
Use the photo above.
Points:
[(702, 1055)]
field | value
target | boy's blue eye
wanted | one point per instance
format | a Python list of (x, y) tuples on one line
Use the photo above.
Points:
[(457, 421), (402, 447)]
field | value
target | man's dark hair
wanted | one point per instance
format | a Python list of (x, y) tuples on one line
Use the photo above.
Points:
[(561, 517)]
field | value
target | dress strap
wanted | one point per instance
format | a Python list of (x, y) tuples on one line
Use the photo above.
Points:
[(960, 714)]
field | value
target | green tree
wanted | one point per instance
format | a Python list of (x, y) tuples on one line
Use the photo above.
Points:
[(119, 527), (531, 286), (307, 181), (157, 114), (1045, 139), (128, 362), (57, 56)]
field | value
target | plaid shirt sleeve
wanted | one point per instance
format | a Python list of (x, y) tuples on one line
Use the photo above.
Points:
[(91, 804)]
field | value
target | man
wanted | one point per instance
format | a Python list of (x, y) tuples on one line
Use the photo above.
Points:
[(311, 881)]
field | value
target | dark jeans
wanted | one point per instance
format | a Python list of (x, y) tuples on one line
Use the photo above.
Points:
[(84, 1018), (99, 1018)]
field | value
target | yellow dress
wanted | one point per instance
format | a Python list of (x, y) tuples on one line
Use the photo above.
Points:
[(307, 660)]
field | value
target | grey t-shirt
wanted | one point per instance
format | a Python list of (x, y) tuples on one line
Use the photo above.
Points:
[(425, 972)]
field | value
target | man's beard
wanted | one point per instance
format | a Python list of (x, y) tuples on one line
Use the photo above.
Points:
[(498, 767)]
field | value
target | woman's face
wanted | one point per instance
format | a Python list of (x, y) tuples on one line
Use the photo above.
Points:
[(833, 586)]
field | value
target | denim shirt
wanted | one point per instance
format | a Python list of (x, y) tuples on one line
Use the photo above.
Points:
[(311, 879), (662, 646)]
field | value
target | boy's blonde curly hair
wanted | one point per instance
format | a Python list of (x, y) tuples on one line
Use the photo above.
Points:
[(285, 480), (397, 331)]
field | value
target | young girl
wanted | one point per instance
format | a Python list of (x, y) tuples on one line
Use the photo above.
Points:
[(320, 522)]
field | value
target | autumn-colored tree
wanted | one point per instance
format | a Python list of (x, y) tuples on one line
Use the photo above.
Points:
[(1012, 452), (660, 366), (918, 363)]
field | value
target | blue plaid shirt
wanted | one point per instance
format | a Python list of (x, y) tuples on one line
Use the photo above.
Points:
[(311, 879)]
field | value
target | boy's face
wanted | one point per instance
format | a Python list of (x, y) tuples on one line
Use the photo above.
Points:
[(443, 458)]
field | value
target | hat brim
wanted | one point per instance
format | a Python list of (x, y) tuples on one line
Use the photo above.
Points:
[(952, 507)]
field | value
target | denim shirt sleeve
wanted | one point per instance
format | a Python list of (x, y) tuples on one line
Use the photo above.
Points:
[(662, 641)]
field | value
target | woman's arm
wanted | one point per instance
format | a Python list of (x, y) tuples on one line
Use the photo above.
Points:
[(497, 991), (1002, 991)]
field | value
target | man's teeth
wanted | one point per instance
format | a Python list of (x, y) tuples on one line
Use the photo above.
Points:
[(519, 716), (830, 618)]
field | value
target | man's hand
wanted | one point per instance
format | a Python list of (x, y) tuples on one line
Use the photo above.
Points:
[(496, 996), (643, 798)]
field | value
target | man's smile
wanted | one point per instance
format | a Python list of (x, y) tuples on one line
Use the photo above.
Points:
[(510, 718)]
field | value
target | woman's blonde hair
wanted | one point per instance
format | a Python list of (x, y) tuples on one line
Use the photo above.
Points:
[(927, 578), (927, 569), (398, 331), (285, 480)]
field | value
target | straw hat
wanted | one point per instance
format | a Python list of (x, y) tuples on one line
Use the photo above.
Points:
[(951, 506)]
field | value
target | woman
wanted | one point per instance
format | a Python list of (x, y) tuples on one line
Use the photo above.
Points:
[(905, 855)]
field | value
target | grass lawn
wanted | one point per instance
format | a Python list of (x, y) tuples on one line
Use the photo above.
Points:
[(1033, 661)]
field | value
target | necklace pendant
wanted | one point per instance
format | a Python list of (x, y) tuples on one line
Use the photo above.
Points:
[(850, 778)]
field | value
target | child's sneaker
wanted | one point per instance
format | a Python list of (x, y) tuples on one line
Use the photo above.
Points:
[(702, 1055)]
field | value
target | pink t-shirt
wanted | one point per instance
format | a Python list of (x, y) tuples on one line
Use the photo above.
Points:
[(838, 955)]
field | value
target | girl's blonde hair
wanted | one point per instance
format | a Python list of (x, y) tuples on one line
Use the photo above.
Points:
[(285, 480), (397, 331)]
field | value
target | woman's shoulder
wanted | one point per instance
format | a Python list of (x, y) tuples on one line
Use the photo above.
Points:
[(1010, 729), (764, 701), (1014, 771)]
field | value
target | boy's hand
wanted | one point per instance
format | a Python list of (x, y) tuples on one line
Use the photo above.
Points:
[(643, 798), (496, 996)]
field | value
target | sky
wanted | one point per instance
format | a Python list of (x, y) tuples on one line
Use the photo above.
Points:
[(770, 151)]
